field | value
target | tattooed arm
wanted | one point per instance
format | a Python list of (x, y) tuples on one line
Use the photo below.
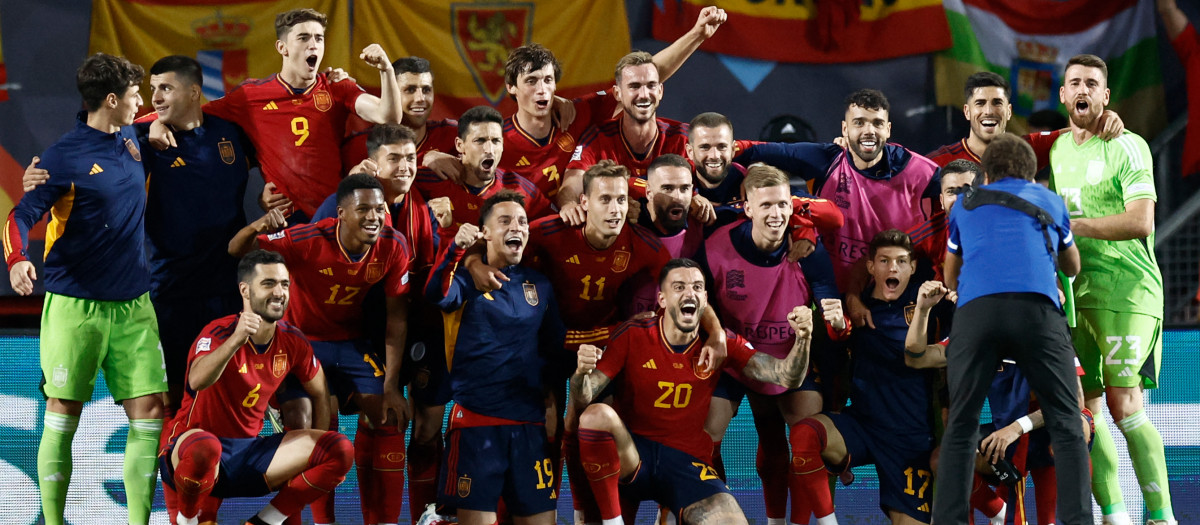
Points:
[(788, 372), (587, 382)]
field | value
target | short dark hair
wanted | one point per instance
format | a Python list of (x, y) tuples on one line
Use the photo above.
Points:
[(710, 119), (501, 196), (184, 67), (355, 182), (387, 135), (963, 166), (1047, 118), (478, 115), (604, 168), (249, 264), (288, 19), (984, 79), (868, 99), (635, 58), (102, 74), (527, 58), (1009, 156), (1087, 60), (892, 237), (415, 65), (670, 160), (674, 264)]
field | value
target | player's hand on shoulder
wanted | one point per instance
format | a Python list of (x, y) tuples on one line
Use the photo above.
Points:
[(573, 214), (444, 165), (247, 325), (1111, 125), (487, 278), (831, 310), (713, 353), (271, 221), (269, 199), (931, 293), (635, 211), (160, 136), (801, 317), (702, 209), (840, 142), (376, 57), (34, 176), (467, 236), (442, 211), (337, 74), (710, 19), (587, 358), (21, 277), (562, 110), (799, 249), (859, 314)]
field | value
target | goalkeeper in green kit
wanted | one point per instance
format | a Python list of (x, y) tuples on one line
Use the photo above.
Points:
[(1109, 191)]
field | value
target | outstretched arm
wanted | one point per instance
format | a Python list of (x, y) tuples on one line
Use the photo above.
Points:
[(669, 60), (386, 108), (918, 353), (790, 371)]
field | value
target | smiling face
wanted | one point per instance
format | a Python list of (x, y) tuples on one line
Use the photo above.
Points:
[(866, 131), (669, 193), (534, 91), (711, 150), (606, 203), (416, 97), (891, 267), (988, 111), (302, 49), (506, 232), (1085, 94), (173, 99), (639, 92), (362, 214), (684, 298), (397, 166), (268, 291), (481, 150), (769, 210)]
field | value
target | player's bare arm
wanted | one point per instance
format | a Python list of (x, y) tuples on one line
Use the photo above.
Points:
[(719, 508), (568, 197), (714, 351), (860, 315), (917, 352), (444, 165), (246, 238), (790, 371), (953, 267), (587, 382), (669, 60), (384, 109), (317, 388), (1136, 222), (206, 368), (395, 408)]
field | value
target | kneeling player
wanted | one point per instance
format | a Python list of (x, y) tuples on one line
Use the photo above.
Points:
[(651, 443), (211, 449)]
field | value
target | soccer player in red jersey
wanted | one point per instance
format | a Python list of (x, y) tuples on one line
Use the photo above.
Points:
[(334, 262), (234, 368), (297, 118), (480, 141), (650, 443)]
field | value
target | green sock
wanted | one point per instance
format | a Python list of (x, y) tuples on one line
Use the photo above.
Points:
[(1149, 463), (1105, 485), (141, 467), (54, 464)]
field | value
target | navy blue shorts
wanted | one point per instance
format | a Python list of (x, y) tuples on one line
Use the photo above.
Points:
[(905, 480), (350, 367), (180, 321), (483, 464), (425, 363), (243, 472), (670, 477), (733, 390)]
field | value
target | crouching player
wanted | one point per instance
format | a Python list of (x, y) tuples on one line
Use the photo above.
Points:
[(651, 444), (210, 450)]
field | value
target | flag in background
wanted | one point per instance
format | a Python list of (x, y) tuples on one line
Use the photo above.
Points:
[(232, 39), (3, 74), (1029, 44), (468, 42), (820, 31)]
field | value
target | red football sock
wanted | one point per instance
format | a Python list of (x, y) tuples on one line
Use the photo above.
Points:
[(196, 473), (423, 463), (598, 452), (808, 483), (581, 493), (984, 499), (387, 466), (367, 492), (328, 464), (323, 510), (771, 462), (1045, 494)]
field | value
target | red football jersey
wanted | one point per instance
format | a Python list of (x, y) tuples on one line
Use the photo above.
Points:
[(929, 241), (465, 202), (234, 406), (439, 136), (328, 287), (586, 280), (661, 394), (296, 136), (608, 142), (544, 161), (1041, 143)]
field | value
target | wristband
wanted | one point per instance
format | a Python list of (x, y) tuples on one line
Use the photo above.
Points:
[(1025, 424)]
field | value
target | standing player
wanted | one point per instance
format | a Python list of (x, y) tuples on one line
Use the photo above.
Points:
[(649, 444), (503, 347), (297, 118), (887, 381), (97, 313), (481, 143), (334, 262), (211, 449), (1109, 191)]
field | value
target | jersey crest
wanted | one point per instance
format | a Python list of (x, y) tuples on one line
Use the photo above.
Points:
[(374, 272), (531, 295), (483, 35), (279, 365), (908, 313), (133, 150), (620, 261), (464, 486), (322, 100), (225, 148)]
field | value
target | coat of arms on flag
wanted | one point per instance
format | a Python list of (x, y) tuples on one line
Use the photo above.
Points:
[(483, 35)]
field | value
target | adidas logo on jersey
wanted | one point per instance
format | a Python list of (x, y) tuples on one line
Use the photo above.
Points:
[(523, 162), (1152, 487), (270, 105), (1127, 372), (179, 163), (574, 259), (96, 169), (327, 271), (243, 370), (650, 364)]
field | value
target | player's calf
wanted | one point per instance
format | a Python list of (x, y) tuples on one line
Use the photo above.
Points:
[(719, 508), (329, 459), (197, 458), (808, 482)]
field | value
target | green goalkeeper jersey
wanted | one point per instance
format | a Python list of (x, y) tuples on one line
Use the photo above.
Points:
[(1097, 179)]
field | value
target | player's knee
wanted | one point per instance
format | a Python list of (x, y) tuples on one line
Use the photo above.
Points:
[(599, 416), (719, 508), (296, 414), (808, 438), (200, 448), (1123, 402), (336, 452), (389, 448)]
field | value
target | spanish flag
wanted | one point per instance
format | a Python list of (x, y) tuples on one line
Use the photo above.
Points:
[(3, 73), (468, 42), (816, 31), (232, 39)]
